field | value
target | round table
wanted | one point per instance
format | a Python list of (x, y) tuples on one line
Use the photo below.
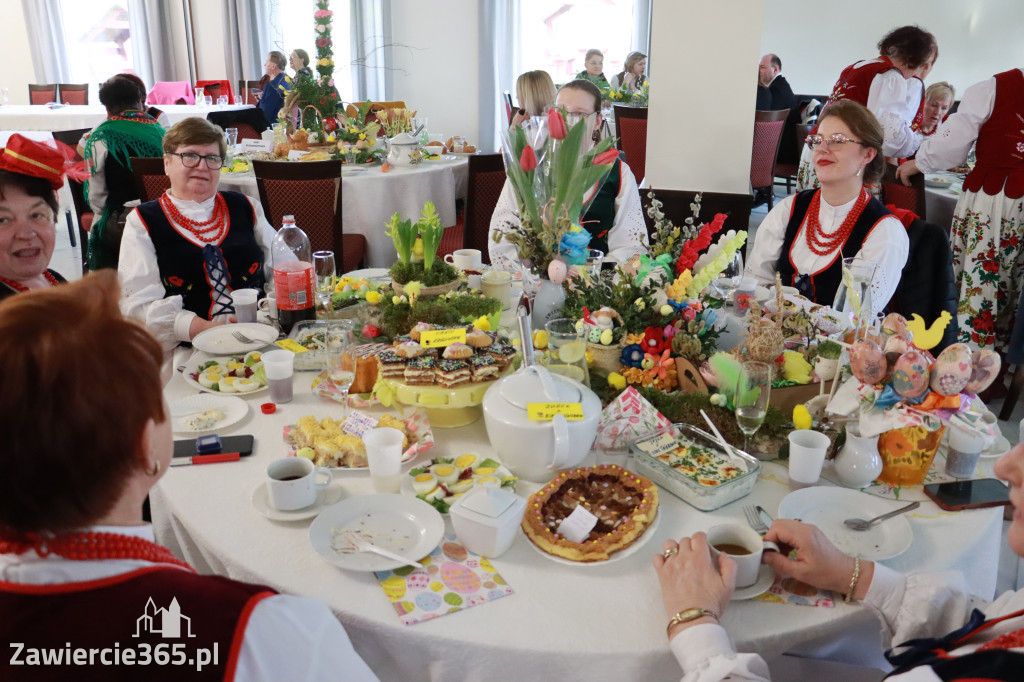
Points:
[(572, 622)]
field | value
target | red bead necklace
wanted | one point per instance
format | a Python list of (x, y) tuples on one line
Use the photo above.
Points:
[(211, 231), (18, 286), (92, 546), (823, 245)]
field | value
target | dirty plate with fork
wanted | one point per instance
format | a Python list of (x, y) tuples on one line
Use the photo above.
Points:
[(222, 339)]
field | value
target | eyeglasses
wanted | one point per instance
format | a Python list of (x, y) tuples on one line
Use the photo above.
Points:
[(190, 160), (833, 142), (574, 117)]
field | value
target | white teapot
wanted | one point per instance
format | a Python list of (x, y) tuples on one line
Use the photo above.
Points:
[(405, 150)]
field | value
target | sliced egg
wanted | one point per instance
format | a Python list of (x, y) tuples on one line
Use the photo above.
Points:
[(424, 483), (465, 461), (252, 358), (488, 479), (446, 473), (435, 494), (461, 486), (214, 369), (236, 367), (209, 379), (245, 385), (484, 471), (227, 385)]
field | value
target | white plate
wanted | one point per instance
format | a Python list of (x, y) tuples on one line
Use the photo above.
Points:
[(192, 367), (827, 507), (233, 407), (405, 525), (618, 556), (219, 340), (941, 180), (765, 578), (999, 448), (325, 497), (368, 273)]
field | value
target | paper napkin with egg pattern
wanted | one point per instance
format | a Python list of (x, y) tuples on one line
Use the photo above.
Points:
[(452, 579)]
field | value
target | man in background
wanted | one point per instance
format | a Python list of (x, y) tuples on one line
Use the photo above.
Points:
[(277, 88), (774, 92)]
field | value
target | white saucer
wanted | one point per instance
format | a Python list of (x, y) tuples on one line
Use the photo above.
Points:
[(325, 497), (998, 448), (765, 578)]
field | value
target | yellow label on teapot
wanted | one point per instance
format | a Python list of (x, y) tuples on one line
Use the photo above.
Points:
[(543, 412), (440, 338)]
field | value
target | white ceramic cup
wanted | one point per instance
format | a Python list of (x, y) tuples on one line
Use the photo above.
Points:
[(497, 284), (244, 301), (806, 456), (965, 447), (292, 483), (465, 259), (279, 366), (384, 454), (737, 539)]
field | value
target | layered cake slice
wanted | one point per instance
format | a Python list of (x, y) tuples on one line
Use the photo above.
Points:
[(451, 372), (502, 353), (483, 368), (420, 371), (392, 365)]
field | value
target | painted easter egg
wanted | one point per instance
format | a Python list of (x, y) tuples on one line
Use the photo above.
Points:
[(894, 324), (606, 337), (984, 368), (458, 578), (896, 344), (418, 581), (910, 374), (867, 361), (394, 588), (404, 607), (557, 271), (454, 551), (952, 370), (595, 334), (428, 601), (486, 565), (436, 586), (453, 599)]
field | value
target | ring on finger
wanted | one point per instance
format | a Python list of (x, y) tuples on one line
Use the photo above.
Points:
[(669, 552)]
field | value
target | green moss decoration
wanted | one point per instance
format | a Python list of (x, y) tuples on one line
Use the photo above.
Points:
[(397, 319), (440, 273)]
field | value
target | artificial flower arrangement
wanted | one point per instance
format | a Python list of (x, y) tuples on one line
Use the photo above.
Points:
[(358, 135), (416, 244), (623, 95), (554, 181), (395, 121)]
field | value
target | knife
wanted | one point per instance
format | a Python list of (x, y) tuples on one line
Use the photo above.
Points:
[(765, 516), (206, 459)]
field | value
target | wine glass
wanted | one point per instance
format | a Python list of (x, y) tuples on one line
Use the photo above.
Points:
[(341, 365), (752, 391), (729, 279), (323, 266)]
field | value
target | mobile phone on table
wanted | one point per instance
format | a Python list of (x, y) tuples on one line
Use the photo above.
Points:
[(957, 495), (240, 444)]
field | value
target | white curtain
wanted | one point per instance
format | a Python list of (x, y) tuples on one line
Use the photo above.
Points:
[(46, 28), (371, 50), (499, 59), (247, 38), (153, 53), (642, 28)]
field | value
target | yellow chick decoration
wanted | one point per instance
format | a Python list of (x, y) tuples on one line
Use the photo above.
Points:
[(801, 417), (795, 367), (417, 250), (373, 297), (927, 338), (482, 323), (540, 339), (617, 381), (412, 290)]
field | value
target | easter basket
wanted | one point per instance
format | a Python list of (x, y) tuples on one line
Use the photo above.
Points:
[(607, 358)]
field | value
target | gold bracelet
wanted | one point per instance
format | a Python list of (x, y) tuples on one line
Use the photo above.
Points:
[(686, 615), (853, 581)]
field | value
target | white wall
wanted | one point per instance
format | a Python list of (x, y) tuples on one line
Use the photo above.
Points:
[(17, 59), (210, 32)]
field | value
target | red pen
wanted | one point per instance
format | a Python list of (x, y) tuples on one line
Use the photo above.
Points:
[(206, 459)]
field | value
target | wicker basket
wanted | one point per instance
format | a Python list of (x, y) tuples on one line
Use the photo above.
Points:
[(436, 290), (607, 358)]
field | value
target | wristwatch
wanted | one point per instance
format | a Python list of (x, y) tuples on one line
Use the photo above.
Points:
[(686, 615)]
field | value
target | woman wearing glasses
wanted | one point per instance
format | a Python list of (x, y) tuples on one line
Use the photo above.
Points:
[(807, 235), (182, 254), (891, 87)]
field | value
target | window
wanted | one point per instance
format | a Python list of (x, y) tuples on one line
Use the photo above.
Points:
[(98, 41), (292, 26)]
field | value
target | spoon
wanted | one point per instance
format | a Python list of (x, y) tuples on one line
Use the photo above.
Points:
[(861, 524)]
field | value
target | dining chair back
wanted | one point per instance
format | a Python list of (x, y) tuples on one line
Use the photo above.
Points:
[(150, 179), (767, 135), (42, 94), (216, 88), (486, 180), (676, 207), (785, 171), (911, 198), (631, 128), (247, 91), (310, 191), (250, 122), (171, 92), (74, 93)]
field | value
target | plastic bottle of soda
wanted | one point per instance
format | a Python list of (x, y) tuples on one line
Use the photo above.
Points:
[(293, 275)]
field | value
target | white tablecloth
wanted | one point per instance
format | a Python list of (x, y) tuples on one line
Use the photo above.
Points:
[(599, 622), (41, 117), (940, 203), (369, 199)]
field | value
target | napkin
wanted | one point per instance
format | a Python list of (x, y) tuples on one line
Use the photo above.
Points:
[(627, 419), (452, 579), (787, 590)]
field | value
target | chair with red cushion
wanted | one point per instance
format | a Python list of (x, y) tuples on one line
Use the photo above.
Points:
[(767, 135), (250, 122), (310, 191), (42, 94), (150, 179), (74, 93), (631, 129), (910, 198), (216, 88), (248, 90), (486, 179)]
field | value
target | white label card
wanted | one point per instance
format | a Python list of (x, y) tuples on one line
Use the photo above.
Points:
[(358, 423), (250, 145), (577, 526)]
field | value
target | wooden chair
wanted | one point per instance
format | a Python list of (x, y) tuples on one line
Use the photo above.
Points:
[(631, 127), (250, 122), (910, 198), (676, 207), (310, 191), (767, 135), (216, 88), (74, 93), (42, 94), (246, 89), (486, 180), (150, 179)]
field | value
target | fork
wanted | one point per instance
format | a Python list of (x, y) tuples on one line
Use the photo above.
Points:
[(354, 542), (242, 337), (753, 515)]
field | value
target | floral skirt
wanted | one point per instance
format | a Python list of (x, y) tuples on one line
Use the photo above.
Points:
[(988, 262), (806, 178)]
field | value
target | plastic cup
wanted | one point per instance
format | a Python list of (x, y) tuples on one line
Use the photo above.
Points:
[(965, 447), (279, 366), (244, 301), (806, 456), (384, 453)]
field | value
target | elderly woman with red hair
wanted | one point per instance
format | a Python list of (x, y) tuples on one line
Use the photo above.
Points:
[(77, 564)]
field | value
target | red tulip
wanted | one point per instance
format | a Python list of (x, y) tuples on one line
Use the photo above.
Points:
[(556, 124), (528, 159), (606, 158)]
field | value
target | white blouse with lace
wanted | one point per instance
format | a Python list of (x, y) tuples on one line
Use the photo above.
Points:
[(949, 146)]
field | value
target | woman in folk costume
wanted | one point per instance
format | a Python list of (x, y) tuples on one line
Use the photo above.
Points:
[(891, 87), (988, 224), (806, 236), (78, 566), (184, 253), (128, 131)]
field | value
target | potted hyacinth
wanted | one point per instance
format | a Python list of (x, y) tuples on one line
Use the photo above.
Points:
[(418, 266)]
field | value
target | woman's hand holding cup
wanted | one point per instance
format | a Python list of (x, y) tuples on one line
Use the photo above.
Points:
[(817, 562)]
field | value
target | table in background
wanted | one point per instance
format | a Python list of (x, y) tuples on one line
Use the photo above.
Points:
[(41, 117), (940, 203), (369, 199), (562, 622)]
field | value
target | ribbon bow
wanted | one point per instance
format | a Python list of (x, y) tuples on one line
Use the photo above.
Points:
[(648, 265)]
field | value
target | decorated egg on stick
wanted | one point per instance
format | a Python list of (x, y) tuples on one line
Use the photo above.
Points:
[(910, 374), (952, 370), (867, 361), (985, 366)]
